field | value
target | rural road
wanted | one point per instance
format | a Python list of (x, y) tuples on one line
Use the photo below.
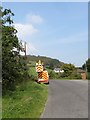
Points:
[(67, 99)]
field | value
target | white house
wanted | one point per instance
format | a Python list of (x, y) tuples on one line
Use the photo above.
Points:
[(58, 70)]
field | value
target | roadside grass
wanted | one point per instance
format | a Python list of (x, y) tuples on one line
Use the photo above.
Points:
[(0, 107), (0, 99), (26, 102), (32, 71)]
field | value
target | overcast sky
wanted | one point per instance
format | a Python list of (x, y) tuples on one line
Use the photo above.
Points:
[(58, 30)]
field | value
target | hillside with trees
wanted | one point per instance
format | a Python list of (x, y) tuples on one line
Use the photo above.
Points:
[(70, 71), (48, 62)]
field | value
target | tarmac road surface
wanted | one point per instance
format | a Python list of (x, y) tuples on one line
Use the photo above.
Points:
[(67, 99)]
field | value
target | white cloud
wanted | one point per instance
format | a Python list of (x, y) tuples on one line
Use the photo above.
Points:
[(25, 30), (34, 19)]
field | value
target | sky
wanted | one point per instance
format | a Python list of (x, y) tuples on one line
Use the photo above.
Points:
[(54, 29)]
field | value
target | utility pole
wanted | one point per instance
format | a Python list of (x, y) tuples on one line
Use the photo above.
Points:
[(86, 70), (25, 48)]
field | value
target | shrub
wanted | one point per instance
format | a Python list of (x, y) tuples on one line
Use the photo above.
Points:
[(52, 75)]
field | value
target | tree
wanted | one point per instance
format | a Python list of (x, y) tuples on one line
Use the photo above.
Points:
[(68, 69), (12, 67), (52, 75), (51, 66), (88, 64), (84, 66)]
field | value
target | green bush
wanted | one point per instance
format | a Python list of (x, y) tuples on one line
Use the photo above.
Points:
[(52, 75), (75, 75), (88, 75)]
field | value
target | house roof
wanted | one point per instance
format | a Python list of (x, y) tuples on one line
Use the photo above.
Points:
[(57, 69), (81, 71)]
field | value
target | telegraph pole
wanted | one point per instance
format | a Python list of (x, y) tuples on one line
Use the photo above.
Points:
[(25, 48)]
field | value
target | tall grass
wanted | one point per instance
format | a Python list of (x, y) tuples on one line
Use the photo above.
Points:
[(26, 102)]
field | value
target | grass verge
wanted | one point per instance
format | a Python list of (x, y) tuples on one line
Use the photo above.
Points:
[(26, 102)]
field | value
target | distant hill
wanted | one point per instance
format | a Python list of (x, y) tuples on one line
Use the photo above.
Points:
[(48, 62)]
